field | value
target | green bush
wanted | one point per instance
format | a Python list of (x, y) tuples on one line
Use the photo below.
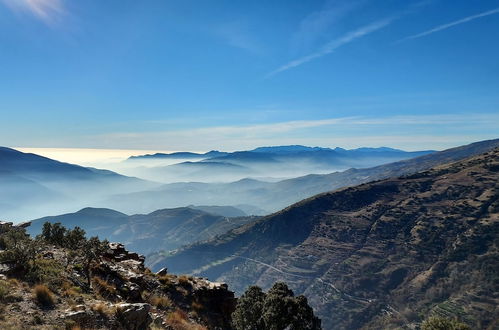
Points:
[(278, 309), (441, 323)]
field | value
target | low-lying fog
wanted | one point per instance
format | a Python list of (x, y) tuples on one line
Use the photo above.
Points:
[(256, 180)]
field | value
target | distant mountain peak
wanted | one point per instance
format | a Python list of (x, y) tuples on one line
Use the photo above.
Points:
[(288, 148), (96, 211)]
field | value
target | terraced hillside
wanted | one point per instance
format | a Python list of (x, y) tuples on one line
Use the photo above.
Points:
[(378, 255)]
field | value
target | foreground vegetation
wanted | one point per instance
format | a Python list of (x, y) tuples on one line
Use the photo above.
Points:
[(62, 280)]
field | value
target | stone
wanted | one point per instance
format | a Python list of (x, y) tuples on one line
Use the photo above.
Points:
[(162, 271), (134, 316), (80, 317)]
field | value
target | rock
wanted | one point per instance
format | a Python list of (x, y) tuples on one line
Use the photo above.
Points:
[(134, 316), (25, 224), (5, 226), (6, 268), (117, 252), (48, 255), (80, 317), (134, 292), (162, 271)]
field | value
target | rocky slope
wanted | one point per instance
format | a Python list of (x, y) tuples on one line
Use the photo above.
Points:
[(378, 255), (53, 291)]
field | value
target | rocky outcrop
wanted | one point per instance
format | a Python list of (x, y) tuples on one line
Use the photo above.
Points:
[(113, 291), (6, 225), (117, 252), (134, 316)]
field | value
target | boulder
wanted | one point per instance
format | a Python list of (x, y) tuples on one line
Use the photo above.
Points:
[(134, 316)]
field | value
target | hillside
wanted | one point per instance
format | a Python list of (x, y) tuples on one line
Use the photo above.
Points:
[(165, 229), (378, 255), (65, 281), (45, 185), (273, 196)]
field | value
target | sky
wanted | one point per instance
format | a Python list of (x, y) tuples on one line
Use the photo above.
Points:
[(232, 75)]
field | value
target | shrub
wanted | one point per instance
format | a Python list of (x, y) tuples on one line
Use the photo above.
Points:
[(44, 296), (20, 250), (4, 290), (92, 252), (441, 323), (46, 271)]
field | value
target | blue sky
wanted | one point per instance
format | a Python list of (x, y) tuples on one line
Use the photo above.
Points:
[(200, 75)]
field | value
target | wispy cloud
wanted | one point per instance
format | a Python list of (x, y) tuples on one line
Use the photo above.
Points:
[(316, 24), (409, 132), (48, 11), (237, 34), (335, 44), (449, 25)]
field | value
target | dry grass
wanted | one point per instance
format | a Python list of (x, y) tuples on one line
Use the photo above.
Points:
[(184, 281), (160, 302), (72, 325), (103, 309), (197, 306), (68, 290), (103, 288), (179, 320), (165, 279), (14, 282), (43, 295), (4, 289)]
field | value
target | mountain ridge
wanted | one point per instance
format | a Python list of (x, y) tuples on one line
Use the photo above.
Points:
[(390, 245), (273, 196)]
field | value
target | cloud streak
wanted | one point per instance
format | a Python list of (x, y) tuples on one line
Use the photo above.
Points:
[(335, 44), (449, 25), (314, 25), (48, 11), (344, 131), (237, 34)]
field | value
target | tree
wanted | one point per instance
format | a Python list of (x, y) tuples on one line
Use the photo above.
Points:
[(20, 250), (93, 249), (54, 233), (278, 309), (248, 313), (74, 238)]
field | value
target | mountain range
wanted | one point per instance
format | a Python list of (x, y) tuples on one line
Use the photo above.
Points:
[(32, 185), (263, 162), (165, 229), (378, 255), (272, 196)]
